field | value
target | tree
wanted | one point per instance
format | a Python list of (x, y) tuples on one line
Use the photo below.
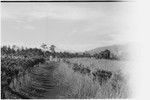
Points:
[(15, 47), (44, 46), (105, 54), (52, 49), (4, 50)]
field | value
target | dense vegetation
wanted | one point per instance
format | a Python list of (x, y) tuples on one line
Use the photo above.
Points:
[(32, 52), (28, 73)]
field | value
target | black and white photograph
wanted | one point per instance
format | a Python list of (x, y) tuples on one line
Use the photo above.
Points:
[(66, 50)]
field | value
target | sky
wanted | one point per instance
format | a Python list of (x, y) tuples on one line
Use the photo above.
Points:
[(69, 26)]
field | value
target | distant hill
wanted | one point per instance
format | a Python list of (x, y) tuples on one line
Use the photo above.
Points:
[(119, 50)]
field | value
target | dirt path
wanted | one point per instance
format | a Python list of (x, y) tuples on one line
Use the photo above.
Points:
[(42, 83)]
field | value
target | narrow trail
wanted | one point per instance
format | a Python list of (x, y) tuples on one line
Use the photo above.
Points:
[(42, 83)]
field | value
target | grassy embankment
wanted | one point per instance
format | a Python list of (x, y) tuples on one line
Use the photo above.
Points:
[(58, 80)]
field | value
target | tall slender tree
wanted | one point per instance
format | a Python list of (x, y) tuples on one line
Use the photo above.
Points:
[(52, 49)]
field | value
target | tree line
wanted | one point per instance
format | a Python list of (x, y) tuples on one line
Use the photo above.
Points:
[(45, 52)]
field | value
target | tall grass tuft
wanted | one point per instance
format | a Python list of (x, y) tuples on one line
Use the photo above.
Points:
[(115, 88), (74, 85)]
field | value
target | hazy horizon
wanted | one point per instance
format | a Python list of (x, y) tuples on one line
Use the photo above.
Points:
[(69, 26)]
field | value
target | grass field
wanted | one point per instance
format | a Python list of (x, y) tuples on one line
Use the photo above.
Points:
[(117, 86), (51, 79)]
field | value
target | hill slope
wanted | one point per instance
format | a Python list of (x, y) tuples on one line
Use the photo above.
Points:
[(120, 50)]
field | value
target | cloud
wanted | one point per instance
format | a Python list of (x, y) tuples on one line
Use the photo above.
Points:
[(72, 25), (62, 12), (55, 11)]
